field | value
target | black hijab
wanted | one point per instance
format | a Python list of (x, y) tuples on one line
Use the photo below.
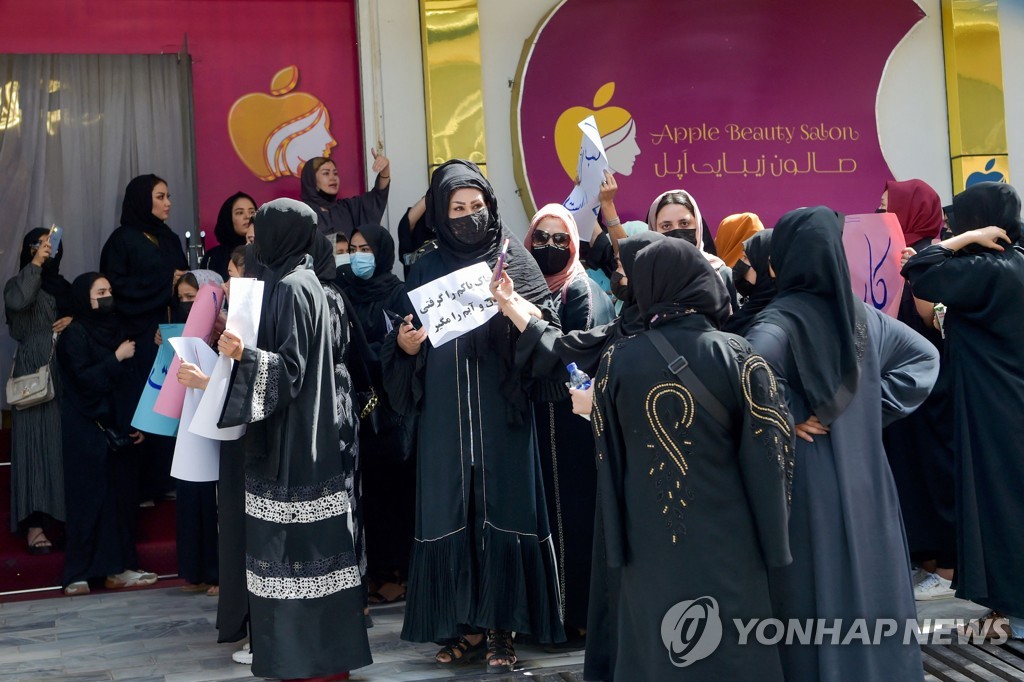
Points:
[(225, 228), (757, 250), (631, 321), (815, 306), (374, 293), (284, 230), (673, 278), (137, 207), (322, 252), (520, 265), (984, 204), (497, 336), (53, 282), (102, 327)]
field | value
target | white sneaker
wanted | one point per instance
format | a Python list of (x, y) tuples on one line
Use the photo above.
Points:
[(919, 575), (932, 587), (243, 655)]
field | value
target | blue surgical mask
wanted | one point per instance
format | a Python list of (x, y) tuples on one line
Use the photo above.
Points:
[(340, 259), (363, 265)]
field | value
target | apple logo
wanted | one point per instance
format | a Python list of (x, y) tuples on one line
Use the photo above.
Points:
[(988, 176), (615, 124), (275, 134)]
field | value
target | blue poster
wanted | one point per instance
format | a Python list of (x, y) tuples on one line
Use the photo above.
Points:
[(145, 418)]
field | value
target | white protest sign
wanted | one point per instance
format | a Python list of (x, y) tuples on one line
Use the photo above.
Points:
[(195, 458), (590, 167), (455, 304), (244, 309)]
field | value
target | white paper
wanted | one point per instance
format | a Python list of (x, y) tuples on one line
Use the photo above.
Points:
[(244, 309), (195, 458), (584, 201), (455, 304)]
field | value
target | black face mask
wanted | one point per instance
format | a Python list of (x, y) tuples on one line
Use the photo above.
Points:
[(105, 304), (687, 233), (551, 259), (185, 307), (739, 275), (881, 210), (471, 229)]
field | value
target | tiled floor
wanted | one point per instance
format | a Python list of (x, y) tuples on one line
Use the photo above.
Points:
[(164, 634), (167, 635)]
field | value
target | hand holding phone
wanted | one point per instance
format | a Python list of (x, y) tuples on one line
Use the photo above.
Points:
[(500, 265), (55, 234)]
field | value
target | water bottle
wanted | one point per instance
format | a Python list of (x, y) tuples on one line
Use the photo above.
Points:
[(578, 379)]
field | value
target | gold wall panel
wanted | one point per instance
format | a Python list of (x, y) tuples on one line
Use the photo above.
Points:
[(974, 91), (453, 81)]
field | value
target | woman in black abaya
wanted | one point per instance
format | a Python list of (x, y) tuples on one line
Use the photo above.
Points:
[(305, 594), (319, 190), (483, 557), (979, 275), (389, 472), (232, 223), (681, 494), (846, 370), (95, 362)]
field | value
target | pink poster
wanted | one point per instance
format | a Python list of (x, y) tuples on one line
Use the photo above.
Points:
[(874, 243), (199, 325), (748, 105)]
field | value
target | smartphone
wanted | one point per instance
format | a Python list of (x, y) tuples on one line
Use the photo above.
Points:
[(500, 265), (397, 319), (55, 234)]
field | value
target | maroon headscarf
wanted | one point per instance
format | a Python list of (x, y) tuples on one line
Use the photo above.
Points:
[(918, 208)]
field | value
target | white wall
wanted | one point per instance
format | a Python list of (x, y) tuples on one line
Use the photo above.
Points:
[(404, 133), (913, 127), (911, 104), (1011, 24)]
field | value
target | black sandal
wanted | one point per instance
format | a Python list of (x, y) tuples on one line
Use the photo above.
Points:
[(460, 651), (500, 648), (39, 544)]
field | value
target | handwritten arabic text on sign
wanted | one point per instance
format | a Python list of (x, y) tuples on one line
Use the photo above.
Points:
[(874, 243), (455, 304)]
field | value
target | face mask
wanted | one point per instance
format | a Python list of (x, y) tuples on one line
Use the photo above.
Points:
[(689, 234), (881, 210), (105, 304), (186, 308), (471, 230), (363, 265), (739, 278), (341, 259), (551, 259)]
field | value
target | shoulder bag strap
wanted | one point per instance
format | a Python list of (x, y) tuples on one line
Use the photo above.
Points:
[(679, 366)]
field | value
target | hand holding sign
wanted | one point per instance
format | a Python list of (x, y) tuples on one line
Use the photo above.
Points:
[(455, 304)]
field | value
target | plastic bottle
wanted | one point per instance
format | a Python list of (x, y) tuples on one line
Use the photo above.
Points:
[(578, 379)]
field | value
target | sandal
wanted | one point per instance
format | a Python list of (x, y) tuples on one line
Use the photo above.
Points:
[(194, 588), (38, 543), (460, 651), (214, 591), (992, 627), (501, 654)]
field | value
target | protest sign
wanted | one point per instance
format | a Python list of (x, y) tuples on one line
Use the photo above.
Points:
[(593, 161), (145, 418), (244, 309), (874, 243), (455, 304), (199, 324), (196, 458)]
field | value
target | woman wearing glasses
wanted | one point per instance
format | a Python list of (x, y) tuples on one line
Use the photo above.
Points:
[(566, 444)]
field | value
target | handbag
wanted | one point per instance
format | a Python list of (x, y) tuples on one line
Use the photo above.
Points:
[(115, 441), (31, 389)]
